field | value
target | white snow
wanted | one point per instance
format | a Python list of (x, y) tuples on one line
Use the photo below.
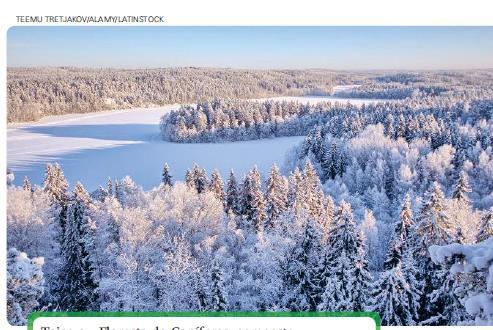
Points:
[(92, 147)]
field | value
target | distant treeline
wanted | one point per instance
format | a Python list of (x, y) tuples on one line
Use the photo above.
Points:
[(37, 92)]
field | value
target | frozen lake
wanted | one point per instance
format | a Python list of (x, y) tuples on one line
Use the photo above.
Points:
[(92, 147)]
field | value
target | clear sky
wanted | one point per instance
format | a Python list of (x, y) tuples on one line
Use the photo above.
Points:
[(338, 48)]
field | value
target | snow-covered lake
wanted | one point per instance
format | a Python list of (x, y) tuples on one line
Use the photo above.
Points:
[(95, 146)]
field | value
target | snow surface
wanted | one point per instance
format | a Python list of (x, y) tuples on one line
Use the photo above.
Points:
[(92, 147)]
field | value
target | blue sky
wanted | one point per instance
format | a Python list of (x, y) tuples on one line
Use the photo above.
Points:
[(338, 48)]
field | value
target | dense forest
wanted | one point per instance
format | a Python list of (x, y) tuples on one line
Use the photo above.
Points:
[(384, 207), (33, 93)]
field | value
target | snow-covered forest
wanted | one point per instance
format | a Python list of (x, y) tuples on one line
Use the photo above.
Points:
[(33, 93), (384, 207)]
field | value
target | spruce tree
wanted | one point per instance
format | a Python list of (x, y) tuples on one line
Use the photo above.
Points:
[(166, 177), (349, 286), (433, 227), (301, 277), (77, 291), (312, 192), (276, 196), (109, 187), (462, 189), (218, 296), (233, 203), (217, 185), (26, 184), (394, 296), (200, 180), (254, 210), (56, 186)]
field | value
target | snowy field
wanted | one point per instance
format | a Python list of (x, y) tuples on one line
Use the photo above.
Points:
[(95, 146)]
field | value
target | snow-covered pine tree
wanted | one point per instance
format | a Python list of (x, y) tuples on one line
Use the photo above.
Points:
[(349, 286), (276, 196), (109, 187), (486, 227), (301, 271), (433, 227), (200, 180), (217, 185), (189, 179), (462, 189), (295, 191), (26, 184), (312, 192), (25, 285), (166, 177), (233, 201), (56, 186), (218, 297), (393, 295), (253, 209), (77, 290)]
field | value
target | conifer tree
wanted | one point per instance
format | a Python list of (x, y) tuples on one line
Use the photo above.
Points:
[(26, 184), (56, 186), (295, 191), (109, 187), (233, 203), (77, 290), (254, 210), (462, 189), (218, 297), (433, 227), (394, 296), (276, 196), (200, 180), (349, 286), (312, 192), (217, 185), (301, 275), (166, 177)]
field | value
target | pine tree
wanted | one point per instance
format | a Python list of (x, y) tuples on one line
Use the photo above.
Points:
[(200, 180), (433, 227), (26, 184), (109, 187), (217, 185), (254, 210), (462, 189), (312, 192), (276, 196), (348, 288), (233, 203), (218, 297), (56, 186), (77, 290), (486, 227), (166, 177), (301, 275), (394, 296), (189, 179)]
